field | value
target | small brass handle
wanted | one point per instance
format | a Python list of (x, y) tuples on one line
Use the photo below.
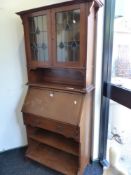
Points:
[(51, 94), (75, 102)]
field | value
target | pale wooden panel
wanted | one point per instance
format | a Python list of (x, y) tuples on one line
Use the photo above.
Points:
[(85, 133), (90, 44)]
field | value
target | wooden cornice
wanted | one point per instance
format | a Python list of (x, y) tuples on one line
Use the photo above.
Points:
[(98, 4)]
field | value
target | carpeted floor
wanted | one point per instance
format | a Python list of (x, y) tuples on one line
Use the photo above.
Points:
[(14, 163)]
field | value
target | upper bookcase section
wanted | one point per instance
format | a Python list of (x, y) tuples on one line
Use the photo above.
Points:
[(56, 36)]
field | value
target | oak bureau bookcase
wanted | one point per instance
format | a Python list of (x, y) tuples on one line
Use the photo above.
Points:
[(59, 43)]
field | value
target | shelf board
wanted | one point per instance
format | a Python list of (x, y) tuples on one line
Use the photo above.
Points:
[(57, 141), (53, 158), (60, 87), (72, 89)]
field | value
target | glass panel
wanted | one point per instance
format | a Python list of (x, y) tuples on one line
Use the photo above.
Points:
[(119, 138), (68, 36), (39, 38), (121, 64)]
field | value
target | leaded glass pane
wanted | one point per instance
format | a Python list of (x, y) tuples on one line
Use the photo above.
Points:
[(39, 38), (68, 36)]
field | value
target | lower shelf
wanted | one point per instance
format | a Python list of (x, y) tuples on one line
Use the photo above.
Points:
[(53, 158), (56, 140)]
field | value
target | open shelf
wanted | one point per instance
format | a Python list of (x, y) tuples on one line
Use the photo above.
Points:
[(53, 158), (56, 140)]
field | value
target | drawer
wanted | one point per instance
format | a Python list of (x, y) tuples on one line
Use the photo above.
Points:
[(67, 130), (56, 105)]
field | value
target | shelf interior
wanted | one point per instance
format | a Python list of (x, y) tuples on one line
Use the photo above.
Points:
[(58, 77), (56, 140), (53, 158)]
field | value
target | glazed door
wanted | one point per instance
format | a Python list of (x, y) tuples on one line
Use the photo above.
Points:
[(37, 31), (69, 35)]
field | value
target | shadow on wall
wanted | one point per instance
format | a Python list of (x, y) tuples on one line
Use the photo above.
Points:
[(22, 62), (23, 72)]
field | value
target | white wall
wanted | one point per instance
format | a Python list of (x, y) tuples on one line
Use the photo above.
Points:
[(13, 74), (12, 80)]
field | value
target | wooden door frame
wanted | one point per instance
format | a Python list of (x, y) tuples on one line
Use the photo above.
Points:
[(35, 63), (83, 29)]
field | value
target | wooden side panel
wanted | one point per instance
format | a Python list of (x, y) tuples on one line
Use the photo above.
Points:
[(90, 44), (85, 132), (56, 105)]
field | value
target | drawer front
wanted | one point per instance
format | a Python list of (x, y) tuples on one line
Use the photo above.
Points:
[(67, 130), (57, 105)]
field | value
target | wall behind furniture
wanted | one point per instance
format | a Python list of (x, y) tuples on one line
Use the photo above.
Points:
[(12, 81), (13, 75)]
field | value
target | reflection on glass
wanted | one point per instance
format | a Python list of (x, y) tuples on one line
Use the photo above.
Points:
[(121, 62), (119, 135), (68, 36), (39, 38)]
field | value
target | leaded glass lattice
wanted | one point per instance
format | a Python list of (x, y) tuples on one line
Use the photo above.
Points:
[(39, 38), (68, 36)]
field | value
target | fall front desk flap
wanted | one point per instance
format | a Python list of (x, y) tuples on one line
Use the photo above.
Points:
[(57, 105)]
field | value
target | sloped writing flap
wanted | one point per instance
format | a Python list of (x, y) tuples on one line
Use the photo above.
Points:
[(56, 105)]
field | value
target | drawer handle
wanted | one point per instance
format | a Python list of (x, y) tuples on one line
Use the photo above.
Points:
[(75, 102)]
